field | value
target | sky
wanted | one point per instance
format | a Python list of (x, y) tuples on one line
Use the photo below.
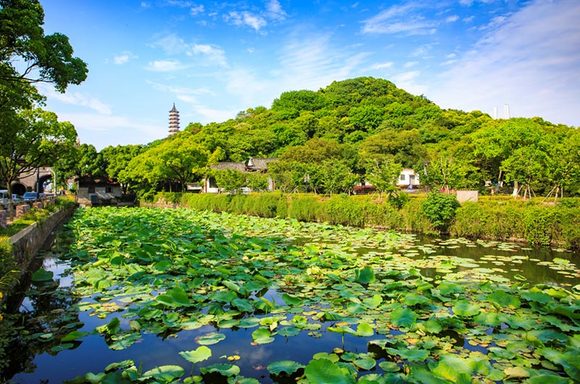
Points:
[(215, 59)]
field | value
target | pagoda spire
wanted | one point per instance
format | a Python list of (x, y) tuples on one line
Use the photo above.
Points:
[(173, 120)]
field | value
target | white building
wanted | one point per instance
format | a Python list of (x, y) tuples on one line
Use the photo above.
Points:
[(407, 178)]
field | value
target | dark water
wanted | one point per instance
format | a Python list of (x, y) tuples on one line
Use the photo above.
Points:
[(52, 308)]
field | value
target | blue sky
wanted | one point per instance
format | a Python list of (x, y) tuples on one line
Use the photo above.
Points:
[(214, 59)]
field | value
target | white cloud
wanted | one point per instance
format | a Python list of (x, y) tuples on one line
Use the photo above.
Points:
[(410, 64), (530, 62), (408, 81), (196, 9), (400, 19), (97, 129), (179, 90), (165, 66), (274, 10), (78, 99), (387, 65), (451, 18), (246, 18), (215, 54), (124, 58), (171, 44)]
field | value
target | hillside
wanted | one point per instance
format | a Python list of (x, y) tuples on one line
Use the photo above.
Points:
[(351, 131)]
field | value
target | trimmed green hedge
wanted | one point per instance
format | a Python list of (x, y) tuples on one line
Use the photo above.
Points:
[(537, 221)]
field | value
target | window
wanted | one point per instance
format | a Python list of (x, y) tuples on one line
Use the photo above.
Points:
[(402, 178)]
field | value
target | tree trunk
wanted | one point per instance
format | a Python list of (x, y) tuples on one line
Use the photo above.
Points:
[(516, 191)]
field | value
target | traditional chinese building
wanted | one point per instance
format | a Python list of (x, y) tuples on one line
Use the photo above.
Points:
[(173, 120)]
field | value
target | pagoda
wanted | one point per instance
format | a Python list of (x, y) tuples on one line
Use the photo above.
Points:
[(173, 121)]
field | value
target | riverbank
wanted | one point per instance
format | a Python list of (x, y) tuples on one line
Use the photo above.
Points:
[(24, 237), (496, 218)]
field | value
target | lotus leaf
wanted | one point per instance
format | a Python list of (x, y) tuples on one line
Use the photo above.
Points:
[(288, 367), (403, 317), (197, 355), (165, 373), (210, 338), (324, 371), (464, 308)]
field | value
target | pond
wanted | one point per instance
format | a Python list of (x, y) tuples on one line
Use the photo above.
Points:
[(163, 295)]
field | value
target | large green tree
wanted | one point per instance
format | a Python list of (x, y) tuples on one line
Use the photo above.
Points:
[(27, 54), (37, 139)]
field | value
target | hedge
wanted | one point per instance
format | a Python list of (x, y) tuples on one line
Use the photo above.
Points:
[(536, 221)]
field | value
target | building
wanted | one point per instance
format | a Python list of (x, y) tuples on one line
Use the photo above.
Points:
[(173, 121), (408, 179), (252, 165)]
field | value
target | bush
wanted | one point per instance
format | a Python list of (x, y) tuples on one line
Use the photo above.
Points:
[(440, 210)]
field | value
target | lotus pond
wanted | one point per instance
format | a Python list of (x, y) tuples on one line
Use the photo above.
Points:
[(150, 295)]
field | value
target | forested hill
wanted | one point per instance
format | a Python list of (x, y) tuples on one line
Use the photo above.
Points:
[(367, 112), (352, 130)]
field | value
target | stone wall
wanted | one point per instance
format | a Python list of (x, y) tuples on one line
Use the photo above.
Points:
[(26, 243)]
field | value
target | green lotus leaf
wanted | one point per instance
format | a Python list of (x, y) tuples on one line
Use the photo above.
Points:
[(389, 366), (447, 288), (74, 335), (164, 373), (262, 336), (412, 355), (464, 308), (548, 379), (227, 370), (403, 317), (210, 338), (364, 329), (243, 305), (288, 367), (433, 326), (365, 275), (373, 302), (366, 363), (289, 331), (412, 299), (324, 371), (291, 300), (503, 299), (175, 297), (197, 355), (328, 356), (454, 369)]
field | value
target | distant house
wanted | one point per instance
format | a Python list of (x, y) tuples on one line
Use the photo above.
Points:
[(252, 165), (92, 190), (408, 178)]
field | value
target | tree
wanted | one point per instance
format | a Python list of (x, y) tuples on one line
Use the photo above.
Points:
[(528, 167), (383, 175), (335, 177), (28, 55), (178, 159), (446, 172), (37, 139), (117, 159), (79, 160), (230, 180)]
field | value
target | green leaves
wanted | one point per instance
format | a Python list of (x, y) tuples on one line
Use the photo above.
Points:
[(210, 338), (464, 308), (165, 373), (262, 336), (503, 299), (41, 276), (197, 355), (175, 297), (403, 317), (324, 371), (365, 275), (287, 367)]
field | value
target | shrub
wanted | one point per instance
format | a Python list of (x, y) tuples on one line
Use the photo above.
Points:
[(440, 210)]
